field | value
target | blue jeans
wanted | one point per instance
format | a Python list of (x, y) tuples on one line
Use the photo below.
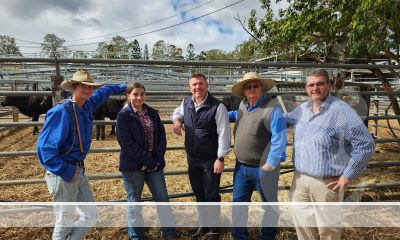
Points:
[(134, 183), (246, 179), (78, 190)]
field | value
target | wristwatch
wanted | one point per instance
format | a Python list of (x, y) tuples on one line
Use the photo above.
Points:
[(221, 159)]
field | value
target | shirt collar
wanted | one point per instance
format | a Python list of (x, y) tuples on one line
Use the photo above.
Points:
[(136, 111), (246, 102), (328, 100), (201, 103)]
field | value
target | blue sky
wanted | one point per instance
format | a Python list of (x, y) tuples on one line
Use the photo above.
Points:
[(82, 19)]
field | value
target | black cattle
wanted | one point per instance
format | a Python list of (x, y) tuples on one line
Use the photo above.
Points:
[(31, 106), (231, 102), (109, 109)]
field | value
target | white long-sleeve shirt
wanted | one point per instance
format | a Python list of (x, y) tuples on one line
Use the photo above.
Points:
[(222, 122)]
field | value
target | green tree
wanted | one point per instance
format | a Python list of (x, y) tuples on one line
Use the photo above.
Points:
[(8, 46), (159, 50), (247, 51), (190, 55), (146, 53), (201, 56), (117, 48), (79, 54), (135, 49), (52, 46), (103, 50), (216, 54), (333, 31), (173, 52)]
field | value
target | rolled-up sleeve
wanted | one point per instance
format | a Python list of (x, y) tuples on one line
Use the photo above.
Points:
[(277, 152)]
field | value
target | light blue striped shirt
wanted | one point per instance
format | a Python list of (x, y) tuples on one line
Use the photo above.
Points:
[(333, 142)]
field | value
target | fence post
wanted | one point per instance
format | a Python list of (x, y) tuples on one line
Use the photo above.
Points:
[(376, 113), (55, 86), (15, 114)]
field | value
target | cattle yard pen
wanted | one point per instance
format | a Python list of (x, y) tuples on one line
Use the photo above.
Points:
[(172, 77)]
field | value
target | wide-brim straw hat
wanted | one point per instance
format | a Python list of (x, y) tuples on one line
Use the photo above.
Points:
[(82, 77), (267, 83)]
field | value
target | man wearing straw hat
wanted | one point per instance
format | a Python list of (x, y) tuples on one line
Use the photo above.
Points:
[(260, 143), (62, 147)]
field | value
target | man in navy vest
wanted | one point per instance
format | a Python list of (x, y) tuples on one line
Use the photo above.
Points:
[(207, 142)]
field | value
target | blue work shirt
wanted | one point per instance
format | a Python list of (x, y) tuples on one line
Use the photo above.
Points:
[(59, 134), (277, 152), (331, 142)]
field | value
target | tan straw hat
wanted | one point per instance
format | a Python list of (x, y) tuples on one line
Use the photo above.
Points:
[(266, 83), (81, 76)]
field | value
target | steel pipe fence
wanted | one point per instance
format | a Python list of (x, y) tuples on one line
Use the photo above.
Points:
[(180, 195), (194, 63), (375, 164), (113, 122), (239, 66), (187, 93)]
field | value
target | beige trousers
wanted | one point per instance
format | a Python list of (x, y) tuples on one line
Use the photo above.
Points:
[(315, 221)]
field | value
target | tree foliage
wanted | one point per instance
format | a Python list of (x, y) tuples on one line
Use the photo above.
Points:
[(146, 55), (8, 46), (190, 55), (247, 51), (159, 50), (174, 52), (333, 30), (134, 48), (52, 46)]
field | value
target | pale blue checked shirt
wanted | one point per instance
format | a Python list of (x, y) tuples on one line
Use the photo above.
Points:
[(333, 142)]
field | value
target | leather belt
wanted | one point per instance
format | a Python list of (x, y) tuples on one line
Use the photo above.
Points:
[(77, 163)]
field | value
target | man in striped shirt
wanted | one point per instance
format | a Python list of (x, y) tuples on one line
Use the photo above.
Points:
[(332, 146)]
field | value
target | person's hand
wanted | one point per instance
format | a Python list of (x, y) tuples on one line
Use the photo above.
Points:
[(155, 169), (218, 166), (267, 167), (178, 126), (339, 184)]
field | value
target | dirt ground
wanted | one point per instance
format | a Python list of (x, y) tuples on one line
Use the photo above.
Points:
[(21, 139)]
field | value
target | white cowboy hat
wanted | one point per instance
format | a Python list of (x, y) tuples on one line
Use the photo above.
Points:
[(267, 83), (81, 76)]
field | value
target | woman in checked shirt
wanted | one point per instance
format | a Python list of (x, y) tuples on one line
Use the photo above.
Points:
[(141, 136)]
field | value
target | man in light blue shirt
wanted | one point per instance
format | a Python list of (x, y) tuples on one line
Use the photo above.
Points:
[(332, 146), (62, 147), (260, 144)]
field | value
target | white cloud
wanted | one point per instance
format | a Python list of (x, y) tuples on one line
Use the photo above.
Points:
[(77, 19)]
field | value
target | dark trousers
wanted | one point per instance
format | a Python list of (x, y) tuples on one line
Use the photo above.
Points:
[(205, 186)]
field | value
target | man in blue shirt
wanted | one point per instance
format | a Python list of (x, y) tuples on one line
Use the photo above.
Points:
[(332, 146), (62, 147), (260, 145)]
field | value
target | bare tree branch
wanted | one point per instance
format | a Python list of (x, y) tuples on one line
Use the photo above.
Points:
[(244, 28)]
